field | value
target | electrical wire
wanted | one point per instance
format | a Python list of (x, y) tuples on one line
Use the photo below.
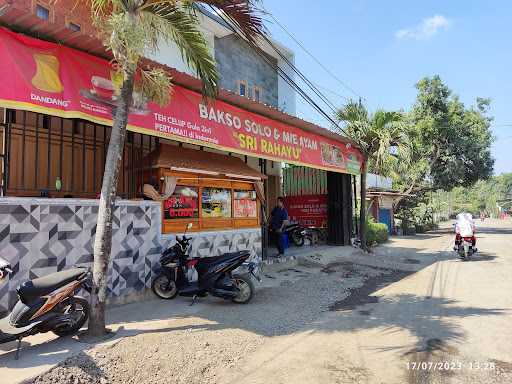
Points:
[(308, 82), (327, 70), (333, 92), (258, 50)]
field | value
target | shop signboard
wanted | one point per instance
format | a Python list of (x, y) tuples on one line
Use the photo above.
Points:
[(183, 204), (49, 78), (308, 210), (245, 208)]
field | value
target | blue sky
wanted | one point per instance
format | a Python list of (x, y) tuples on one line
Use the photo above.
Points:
[(382, 48)]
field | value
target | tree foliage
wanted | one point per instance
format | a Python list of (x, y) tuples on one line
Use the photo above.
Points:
[(375, 134), (455, 139), (483, 196)]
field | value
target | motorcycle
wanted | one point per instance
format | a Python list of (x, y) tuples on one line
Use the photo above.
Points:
[(47, 304), (202, 276), (465, 248), (296, 233)]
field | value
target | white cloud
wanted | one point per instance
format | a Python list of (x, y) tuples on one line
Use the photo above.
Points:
[(425, 29)]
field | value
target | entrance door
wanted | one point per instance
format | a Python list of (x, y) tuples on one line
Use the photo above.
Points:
[(385, 217), (339, 208)]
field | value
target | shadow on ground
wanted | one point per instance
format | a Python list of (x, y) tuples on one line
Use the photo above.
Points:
[(345, 288)]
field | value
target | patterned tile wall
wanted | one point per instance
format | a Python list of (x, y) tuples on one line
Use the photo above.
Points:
[(41, 236)]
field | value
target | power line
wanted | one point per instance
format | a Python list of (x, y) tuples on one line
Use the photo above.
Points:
[(308, 82), (345, 85), (332, 92), (231, 23)]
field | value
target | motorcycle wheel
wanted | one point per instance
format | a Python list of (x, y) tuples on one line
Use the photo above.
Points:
[(297, 238), (164, 288), (245, 287), (79, 310)]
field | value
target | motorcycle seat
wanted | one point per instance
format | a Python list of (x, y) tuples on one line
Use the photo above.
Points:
[(226, 256), (32, 289)]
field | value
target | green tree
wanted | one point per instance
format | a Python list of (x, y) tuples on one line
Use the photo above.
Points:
[(457, 140), (375, 135), (130, 30), (450, 145)]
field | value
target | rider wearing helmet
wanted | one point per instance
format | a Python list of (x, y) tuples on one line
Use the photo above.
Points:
[(464, 227)]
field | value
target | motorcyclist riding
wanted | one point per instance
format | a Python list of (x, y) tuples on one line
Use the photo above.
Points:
[(464, 227)]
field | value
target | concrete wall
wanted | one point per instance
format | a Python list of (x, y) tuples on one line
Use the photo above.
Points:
[(41, 236), (237, 61)]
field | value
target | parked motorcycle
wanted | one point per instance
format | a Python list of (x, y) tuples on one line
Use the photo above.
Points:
[(296, 233), (202, 276), (465, 248), (46, 304)]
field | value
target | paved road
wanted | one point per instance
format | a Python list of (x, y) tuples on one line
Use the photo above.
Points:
[(449, 322)]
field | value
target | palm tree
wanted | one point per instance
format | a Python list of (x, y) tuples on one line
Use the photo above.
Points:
[(131, 29), (375, 134)]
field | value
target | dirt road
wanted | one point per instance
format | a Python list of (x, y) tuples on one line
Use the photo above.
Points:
[(410, 313), (450, 322)]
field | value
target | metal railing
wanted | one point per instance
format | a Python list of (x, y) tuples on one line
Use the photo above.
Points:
[(48, 148)]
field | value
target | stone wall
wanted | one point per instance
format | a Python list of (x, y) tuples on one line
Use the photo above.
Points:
[(41, 236)]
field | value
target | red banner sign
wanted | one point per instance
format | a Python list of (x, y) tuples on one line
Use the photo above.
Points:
[(308, 210), (52, 79), (180, 207)]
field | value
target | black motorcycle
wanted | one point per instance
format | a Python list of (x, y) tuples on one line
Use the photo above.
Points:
[(46, 304), (202, 276), (296, 233)]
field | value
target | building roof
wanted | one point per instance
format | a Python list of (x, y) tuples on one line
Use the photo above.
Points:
[(391, 193), (195, 161)]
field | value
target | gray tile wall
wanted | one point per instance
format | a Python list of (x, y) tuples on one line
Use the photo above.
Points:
[(41, 236), (237, 61)]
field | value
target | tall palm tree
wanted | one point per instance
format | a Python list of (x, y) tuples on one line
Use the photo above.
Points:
[(130, 30), (375, 134)]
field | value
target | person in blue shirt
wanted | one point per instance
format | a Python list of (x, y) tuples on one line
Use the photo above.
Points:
[(278, 219)]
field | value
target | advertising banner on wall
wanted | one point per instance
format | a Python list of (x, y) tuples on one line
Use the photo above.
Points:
[(307, 210), (52, 79)]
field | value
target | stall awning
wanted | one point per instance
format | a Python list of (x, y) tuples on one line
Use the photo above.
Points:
[(181, 159)]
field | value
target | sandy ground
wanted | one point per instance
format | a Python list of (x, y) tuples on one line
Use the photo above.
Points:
[(409, 313)]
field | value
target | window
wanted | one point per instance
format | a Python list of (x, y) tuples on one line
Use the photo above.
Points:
[(216, 202), (183, 204), (242, 88), (257, 94), (43, 121), (42, 12), (74, 27), (210, 204), (244, 204)]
